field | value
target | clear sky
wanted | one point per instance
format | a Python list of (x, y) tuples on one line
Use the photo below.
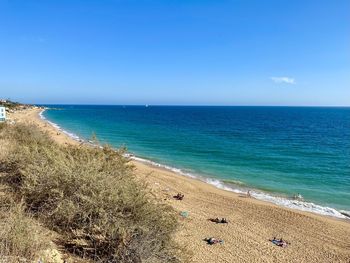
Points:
[(246, 52)]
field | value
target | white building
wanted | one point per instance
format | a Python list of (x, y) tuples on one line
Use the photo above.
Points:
[(2, 113)]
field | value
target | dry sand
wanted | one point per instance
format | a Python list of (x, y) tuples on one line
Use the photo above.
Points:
[(313, 238)]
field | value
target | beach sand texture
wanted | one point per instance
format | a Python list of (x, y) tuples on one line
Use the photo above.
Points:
[(313, 238)]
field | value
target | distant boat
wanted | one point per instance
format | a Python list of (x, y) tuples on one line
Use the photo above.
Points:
[(146, 105)]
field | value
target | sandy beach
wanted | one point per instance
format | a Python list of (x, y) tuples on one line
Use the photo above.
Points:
[(312, 237)]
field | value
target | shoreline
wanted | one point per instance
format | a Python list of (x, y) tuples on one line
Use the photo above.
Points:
[(313, 237), (282, 201)]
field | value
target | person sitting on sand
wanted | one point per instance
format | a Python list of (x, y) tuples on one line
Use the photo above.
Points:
[(179, 196), (213, 240)]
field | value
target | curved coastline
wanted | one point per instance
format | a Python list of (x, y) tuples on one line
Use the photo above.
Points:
[(231, 187)]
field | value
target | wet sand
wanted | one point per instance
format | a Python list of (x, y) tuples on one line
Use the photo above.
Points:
[(313, 238)]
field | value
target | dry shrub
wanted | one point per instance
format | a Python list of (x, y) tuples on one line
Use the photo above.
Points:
[(21, 237), (91, 197)]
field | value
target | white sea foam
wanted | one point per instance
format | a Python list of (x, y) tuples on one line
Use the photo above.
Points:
[(217, 183), (345, 213), (41, 115), (299, 205), (56, 126), (173, 169), (281, 201)]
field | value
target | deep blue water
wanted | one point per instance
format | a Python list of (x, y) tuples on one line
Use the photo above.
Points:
[(280, 150)]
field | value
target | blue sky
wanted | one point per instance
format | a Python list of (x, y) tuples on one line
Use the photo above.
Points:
[(200, 52)]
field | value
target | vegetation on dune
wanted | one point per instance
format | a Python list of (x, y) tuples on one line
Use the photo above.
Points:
[(9, 104), (89, 196), (21, 237)]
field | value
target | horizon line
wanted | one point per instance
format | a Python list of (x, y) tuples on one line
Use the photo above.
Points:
[(190, 105)]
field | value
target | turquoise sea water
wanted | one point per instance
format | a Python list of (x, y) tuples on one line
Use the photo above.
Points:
[(280, 151)]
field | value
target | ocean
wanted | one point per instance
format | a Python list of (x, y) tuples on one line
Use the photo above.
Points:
[(277, 152)]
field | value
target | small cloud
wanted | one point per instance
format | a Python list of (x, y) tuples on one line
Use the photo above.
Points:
[(286, 80)]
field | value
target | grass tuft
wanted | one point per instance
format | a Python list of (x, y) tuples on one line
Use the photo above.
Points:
[(21, 237), (89, 196)]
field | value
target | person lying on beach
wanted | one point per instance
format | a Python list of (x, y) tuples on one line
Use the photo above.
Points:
[(179, 196), (279, 242), (224, 221), (213, 240), (219, 221)]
